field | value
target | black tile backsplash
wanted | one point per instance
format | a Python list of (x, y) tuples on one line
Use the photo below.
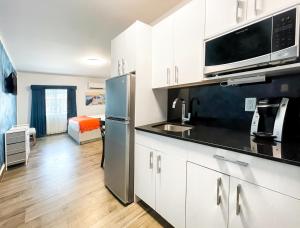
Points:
[(225, 106)]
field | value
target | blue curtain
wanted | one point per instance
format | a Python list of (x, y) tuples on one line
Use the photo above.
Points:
[(38, 111), (38, 106), (72, 107)]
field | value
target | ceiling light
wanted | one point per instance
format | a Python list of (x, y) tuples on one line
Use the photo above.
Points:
[(95, 61)]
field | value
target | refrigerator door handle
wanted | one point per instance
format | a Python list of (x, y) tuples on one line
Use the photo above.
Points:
[(117, 119)]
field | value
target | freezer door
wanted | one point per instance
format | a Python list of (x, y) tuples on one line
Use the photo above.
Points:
[(119, 159), (118, 97)]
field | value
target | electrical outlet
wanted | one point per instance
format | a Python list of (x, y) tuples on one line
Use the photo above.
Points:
[(250, 104), (284, 88)]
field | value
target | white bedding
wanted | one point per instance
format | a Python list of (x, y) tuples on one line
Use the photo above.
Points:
[(88, 136)]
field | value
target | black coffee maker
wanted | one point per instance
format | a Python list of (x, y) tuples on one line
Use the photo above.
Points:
[(276, 119)]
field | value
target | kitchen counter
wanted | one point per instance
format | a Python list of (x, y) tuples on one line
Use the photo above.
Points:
[(234, 140)]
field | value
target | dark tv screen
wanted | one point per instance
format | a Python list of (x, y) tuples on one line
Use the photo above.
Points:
[(11, 83)]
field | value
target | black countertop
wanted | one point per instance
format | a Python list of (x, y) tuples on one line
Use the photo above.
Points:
[(234, 140)]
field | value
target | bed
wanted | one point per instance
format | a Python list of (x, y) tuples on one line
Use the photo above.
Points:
[(84, 129)]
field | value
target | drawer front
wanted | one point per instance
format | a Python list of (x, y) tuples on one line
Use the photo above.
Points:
[(274, 175), (15, 137), (15, 158), (162, 143), (15, 148)]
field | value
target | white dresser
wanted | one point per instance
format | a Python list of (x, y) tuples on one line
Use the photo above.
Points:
[(17, 146)]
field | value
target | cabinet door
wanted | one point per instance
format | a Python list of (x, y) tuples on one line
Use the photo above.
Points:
[(123, 52), (261, 7), (170, 188), (144, 174), (129, 54), (255, 206), (115, 57), (221, 15), (207, 198), (189, 22), (162, 53)]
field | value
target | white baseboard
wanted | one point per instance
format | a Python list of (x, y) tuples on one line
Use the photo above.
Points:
[(1, 170)]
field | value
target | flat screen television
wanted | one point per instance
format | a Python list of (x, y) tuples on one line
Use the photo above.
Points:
[(11, 83)]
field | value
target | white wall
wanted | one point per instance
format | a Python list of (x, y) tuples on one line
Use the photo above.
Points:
[(151, 105), (25, 80)]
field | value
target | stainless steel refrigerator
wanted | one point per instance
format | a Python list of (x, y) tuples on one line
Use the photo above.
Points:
[(119, 136)]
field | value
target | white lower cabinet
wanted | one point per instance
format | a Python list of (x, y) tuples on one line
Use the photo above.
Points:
[(206, 198), (145, 174), (170, 188), (189, 187), (160, 179), (258, 207), (211, 196)]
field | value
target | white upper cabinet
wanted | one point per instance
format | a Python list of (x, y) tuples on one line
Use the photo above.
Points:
[(261, 7), (226, 14), (188, 42), (162, 53), (255, 206), (116, 55), (206, 197), (222, 15), (124, 50), (128, 60), (177, 55), (121, 52)]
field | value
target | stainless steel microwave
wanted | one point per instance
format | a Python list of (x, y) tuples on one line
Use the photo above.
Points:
[(270, 41)]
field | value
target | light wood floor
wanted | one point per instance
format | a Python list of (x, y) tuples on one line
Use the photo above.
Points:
[(63, 186)]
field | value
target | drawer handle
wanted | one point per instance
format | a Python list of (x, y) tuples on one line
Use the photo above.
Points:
[(237, 162)]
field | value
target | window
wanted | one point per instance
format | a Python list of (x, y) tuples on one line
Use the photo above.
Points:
[(56, 111)]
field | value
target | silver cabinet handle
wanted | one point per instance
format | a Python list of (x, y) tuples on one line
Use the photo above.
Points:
[(151, 160), (119, 67), (167, 76), (176, 74), (219, 182), (238, 5), (237, 11), (158, 168), (237, 162), (238, 206), (123, 66), (258, 7)]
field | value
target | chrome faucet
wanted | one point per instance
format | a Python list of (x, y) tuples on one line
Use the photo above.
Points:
[(183, 107)]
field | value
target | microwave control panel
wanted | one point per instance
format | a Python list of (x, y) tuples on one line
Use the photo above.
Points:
[(284, 33)]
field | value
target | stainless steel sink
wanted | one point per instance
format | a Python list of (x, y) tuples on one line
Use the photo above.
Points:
[(173, 127)]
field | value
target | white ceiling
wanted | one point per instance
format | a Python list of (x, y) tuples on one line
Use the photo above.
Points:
[(54, 36)]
